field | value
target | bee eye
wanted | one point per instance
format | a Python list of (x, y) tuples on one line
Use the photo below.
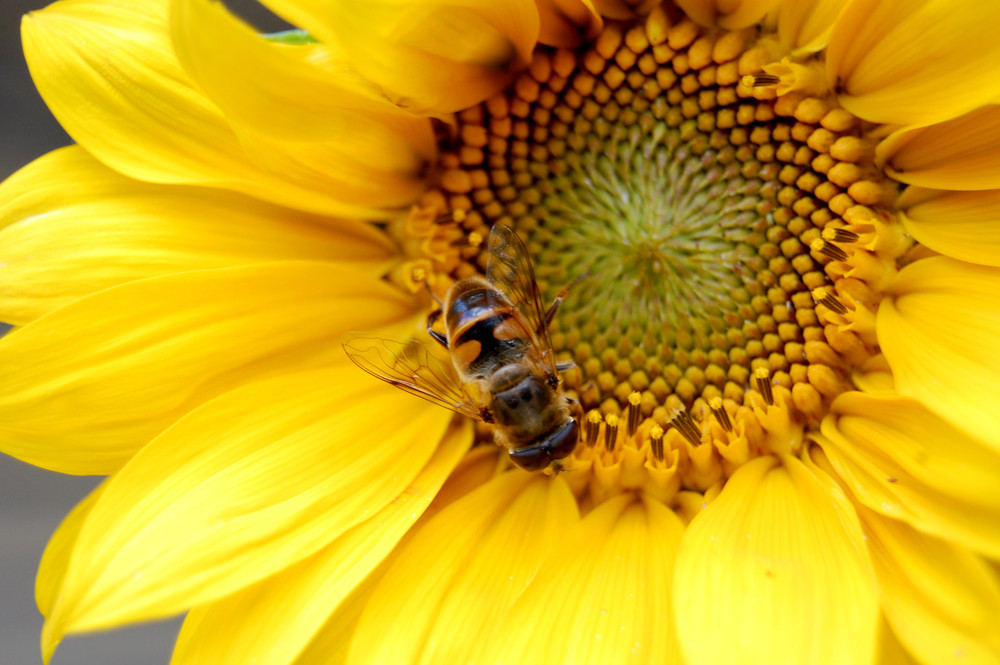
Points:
[(530, 459)]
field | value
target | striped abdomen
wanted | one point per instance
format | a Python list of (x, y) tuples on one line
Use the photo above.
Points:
[(485, 332)]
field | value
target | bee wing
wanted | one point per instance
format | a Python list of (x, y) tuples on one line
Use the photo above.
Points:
[(509, 267), (409, 365)]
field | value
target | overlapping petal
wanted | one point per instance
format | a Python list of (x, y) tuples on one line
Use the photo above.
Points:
[(901, 460), (938, 329), (55, 559), (566, 23), (89, 384), (959, 154), (270, 622), (775, 572), (332, 642), (61, 243), (485, 549), (940, 599), (963, 225), (111, 78), (726, 14), (429, 56), (914, 62), (603, 594), (625, 9), (238, 489), (296, 93), (806, 25)]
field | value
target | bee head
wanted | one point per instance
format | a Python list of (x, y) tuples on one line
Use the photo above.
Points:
[(518, 395)]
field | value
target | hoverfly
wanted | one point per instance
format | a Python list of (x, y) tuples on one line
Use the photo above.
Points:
[(503, 372)]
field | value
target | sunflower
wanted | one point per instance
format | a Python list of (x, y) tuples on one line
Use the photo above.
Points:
[(780, 220)]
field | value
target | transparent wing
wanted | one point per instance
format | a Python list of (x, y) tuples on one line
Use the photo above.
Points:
[(409, 365), (509, 268)]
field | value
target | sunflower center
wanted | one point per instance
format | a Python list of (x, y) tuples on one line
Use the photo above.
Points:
[(709, 229)]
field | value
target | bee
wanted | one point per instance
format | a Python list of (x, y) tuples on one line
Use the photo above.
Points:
[(503, 371)]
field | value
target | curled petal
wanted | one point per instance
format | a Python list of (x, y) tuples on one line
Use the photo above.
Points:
[(726, 14), (939, 598), (806, 25), (963, 225), (110, 76), (566, 23), (429, 56), (938, 330), (958, 154), (625, 10), (914, 62), (292, 93), (903, 461)]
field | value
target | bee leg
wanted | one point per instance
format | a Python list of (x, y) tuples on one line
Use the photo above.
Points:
[(431, 320), (554, 307), (565, 366), (433, 295)]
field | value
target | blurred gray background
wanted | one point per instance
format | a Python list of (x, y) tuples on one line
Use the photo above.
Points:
[(32, 501)]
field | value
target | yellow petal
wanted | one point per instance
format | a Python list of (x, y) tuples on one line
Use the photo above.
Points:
[(922, 447), (89, 384), (774, 571), (726, 14), (430, 56), (602, 596), (625, 9), (806, 25), (485, 547), (958, 154), (270, 622), (891, 652), (963, 225), (285, 93), (942, 602), (566, 23), (914, 62), (55, 558), (61, 243), (111, 78), (939, 330), (239, 489), (903, 461), (331, 643)]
